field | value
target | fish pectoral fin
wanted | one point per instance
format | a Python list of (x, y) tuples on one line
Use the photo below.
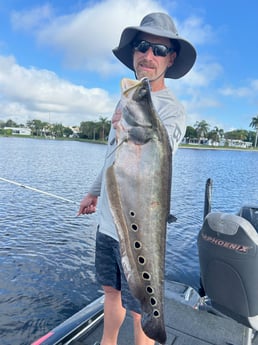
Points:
[(171, 218), (125, 139)]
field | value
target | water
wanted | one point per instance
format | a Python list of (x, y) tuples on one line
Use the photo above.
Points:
[(47, 253)]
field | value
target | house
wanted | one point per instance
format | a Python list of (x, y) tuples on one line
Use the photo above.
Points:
[(19, 130)]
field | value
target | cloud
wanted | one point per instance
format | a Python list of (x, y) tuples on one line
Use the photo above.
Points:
[(249, 90), (29, 20), (86, 38), (194, 29), (35, 93)]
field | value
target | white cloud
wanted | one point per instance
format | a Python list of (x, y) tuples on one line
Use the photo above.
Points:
[(205, 74), (33, 92), (86, 38), (84, 41), (31, 19), (194, 29), (247, 91)]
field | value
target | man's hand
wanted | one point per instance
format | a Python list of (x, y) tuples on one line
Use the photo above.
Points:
[(88, 204)]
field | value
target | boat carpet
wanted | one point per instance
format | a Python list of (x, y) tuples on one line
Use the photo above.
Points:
[(185, 326)]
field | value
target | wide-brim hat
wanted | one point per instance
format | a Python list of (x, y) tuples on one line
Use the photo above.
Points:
[(158, 24)]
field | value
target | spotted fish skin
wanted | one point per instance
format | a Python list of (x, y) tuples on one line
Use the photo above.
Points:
[(138, 187)]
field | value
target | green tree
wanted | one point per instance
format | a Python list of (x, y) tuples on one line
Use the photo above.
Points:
[(10, 123), (67, 131), (202, 129), (58, 130), (36, 126), (238, 134), (216, 134), (254, 124), (104, 126), (88, 130), (190, 133)]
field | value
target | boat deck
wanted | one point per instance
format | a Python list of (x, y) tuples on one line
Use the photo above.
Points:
[(185, 326)]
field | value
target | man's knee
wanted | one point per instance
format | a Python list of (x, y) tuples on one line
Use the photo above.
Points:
[(136, 316)]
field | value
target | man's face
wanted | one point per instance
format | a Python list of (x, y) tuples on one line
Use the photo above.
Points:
[(146, 64)]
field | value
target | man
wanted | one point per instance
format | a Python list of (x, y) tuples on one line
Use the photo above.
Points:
[(153, 50)]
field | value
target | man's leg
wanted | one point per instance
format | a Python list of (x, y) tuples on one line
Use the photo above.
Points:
[(114, 315), (140, 338)]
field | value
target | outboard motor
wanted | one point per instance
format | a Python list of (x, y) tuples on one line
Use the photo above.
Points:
[(228, 254), (251, 214)]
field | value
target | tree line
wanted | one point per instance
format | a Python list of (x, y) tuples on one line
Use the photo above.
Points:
[(92, 130), (98, 130), (201, 130)]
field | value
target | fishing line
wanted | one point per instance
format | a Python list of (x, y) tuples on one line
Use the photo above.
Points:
[(38, 191)]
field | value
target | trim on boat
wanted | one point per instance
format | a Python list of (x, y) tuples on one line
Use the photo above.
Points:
[(80, 323)]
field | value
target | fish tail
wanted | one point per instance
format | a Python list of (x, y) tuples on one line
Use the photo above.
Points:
[(154, 328)]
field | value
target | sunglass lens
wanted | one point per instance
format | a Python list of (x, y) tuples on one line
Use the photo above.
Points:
[(143, 46), (159, 50)]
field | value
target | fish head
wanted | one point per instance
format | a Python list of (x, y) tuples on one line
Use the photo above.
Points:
[(139, 118)]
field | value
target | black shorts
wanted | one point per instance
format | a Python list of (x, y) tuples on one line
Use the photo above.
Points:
[(109, 271)]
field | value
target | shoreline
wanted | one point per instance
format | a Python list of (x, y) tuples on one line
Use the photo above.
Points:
[(181, 146), (218, 148)]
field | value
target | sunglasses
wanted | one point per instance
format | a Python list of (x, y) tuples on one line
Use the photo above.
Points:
[(158, 49)]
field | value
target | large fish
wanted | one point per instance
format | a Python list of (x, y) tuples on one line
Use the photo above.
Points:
[(138, 186)]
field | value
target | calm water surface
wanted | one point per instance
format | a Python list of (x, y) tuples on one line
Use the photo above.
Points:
[(47, 253)]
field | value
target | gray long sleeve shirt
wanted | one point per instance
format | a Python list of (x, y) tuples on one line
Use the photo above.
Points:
[(173, 116)]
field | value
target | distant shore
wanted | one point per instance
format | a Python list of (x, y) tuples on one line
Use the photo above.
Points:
[(208, 147), (181, 146)]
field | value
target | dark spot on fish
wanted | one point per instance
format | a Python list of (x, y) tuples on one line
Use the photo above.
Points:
[(137, 245), (134, 227), (146, 275), (149, 290), (141, 260), (156, 313), (132, 213), (153, 301)]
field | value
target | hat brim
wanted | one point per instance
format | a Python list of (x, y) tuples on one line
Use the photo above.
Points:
[(183, 63)]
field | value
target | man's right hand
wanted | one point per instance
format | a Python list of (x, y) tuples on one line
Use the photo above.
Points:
[(88, 204)]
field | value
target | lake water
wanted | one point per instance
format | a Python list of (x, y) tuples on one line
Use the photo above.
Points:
[(47, 253)]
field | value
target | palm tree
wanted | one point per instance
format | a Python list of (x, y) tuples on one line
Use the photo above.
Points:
[(104, 126), (254, 124), (202, 129)]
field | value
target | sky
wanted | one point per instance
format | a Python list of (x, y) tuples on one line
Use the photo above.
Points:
[(57, 65)]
